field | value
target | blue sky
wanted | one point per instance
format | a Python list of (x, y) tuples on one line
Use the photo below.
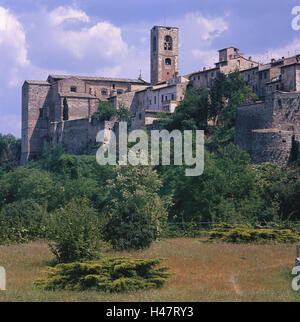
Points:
[(111, 38)]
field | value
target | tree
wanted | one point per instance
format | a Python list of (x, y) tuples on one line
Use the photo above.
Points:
[(134, 209), (192, 112), (226, 191), (105, 112), (22, 221), (123, 113), (65, 110), (75, 229)]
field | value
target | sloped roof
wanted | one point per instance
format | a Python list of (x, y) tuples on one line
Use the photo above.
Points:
[(92, 78)]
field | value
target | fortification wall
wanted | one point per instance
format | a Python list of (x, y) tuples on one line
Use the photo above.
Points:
[(251, 117), (77, 136), (286, 114), (271, 146)]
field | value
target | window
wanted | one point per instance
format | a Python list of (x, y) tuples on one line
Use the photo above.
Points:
[(154, 99), (172, 97), (168, 45), (154, 44), (265, 74), (140, 116), (198, 77), (104, 92), (113, 86), (73, 89), (162, 98), (119, 92), (168, 61)]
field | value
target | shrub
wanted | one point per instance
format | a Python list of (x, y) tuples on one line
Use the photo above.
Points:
[(24, 183), (22, 221), (134, 209), (123, 113), (239, 233), (105, 112), (109, 275), (75, 231)]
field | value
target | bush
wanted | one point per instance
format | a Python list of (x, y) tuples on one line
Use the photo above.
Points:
[(24, 183), (105, 112), (75, 231), (22, 221), (239, 233), (109, 275), (134, 209)]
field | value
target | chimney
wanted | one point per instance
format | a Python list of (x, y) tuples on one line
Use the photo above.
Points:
[(250, 58), (204, 68)]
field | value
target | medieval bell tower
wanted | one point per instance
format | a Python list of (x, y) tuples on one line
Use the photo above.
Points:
[(164, 53)]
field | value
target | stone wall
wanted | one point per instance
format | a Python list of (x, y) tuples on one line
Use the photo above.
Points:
[(251, 117), (78, 136), (35, 100), (267, 129), (271, 146)]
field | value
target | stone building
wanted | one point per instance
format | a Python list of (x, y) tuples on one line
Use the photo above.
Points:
[(268, 129), (42, 107)]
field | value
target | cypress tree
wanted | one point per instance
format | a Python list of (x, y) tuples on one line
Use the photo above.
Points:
[(65, 110)]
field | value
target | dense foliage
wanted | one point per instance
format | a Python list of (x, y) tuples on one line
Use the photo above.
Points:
[(134, 210), (130, 206), (105, 112), (75, 232)]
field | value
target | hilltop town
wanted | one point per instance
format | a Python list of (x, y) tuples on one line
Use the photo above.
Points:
[(268, 129)]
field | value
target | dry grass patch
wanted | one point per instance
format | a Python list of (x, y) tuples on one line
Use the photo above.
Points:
[(203, 272)]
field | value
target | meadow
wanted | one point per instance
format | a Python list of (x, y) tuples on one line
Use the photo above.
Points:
[(203, 272)]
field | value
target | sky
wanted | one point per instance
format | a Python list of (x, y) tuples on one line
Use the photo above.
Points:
[(112, 38)]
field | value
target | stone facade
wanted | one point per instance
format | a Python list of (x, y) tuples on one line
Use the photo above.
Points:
[(268, 129), (42, 107)]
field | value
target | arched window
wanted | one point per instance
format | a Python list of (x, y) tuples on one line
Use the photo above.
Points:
[(154, 44), (168, 45), (104, 92), (168, 61)]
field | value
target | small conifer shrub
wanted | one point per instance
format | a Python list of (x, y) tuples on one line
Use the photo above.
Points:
[(239, 233), (109, 275)]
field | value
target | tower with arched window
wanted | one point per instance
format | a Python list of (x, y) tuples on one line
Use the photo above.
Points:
[(164, 53)]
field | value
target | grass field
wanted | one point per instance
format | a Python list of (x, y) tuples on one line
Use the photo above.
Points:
[(203, 272)]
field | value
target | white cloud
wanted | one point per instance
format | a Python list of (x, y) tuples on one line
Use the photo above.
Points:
[(61, 14), (288, 50), (102, 40), (13, 49), (207, 57)]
